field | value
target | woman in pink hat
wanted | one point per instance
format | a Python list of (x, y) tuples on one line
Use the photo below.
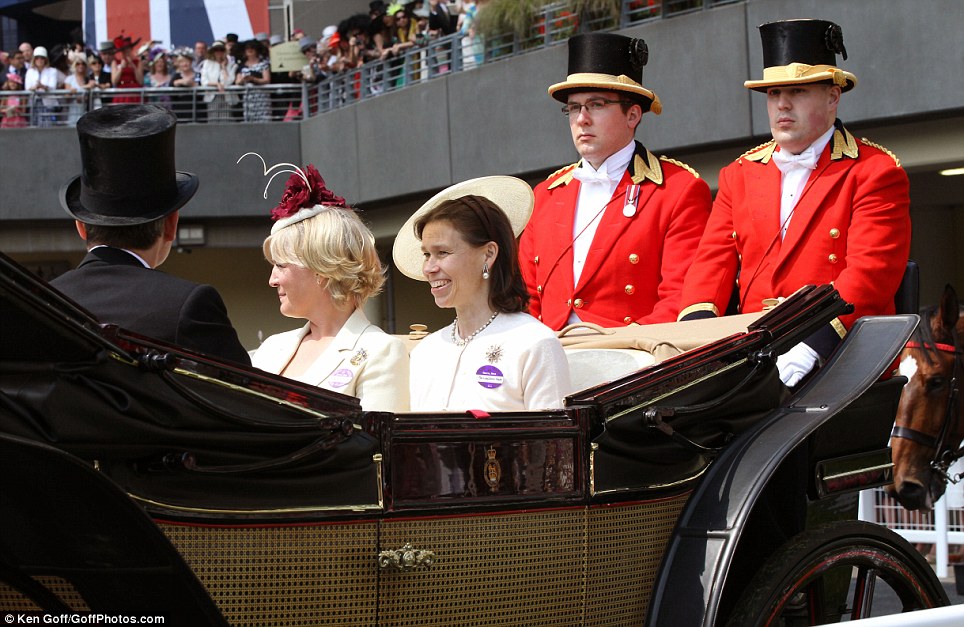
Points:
[(13, 110)]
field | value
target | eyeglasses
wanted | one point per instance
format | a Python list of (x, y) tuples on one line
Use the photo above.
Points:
[(593, 105)]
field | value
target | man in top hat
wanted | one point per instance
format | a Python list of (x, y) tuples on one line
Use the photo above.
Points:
[(125, 206), (814, 205), (612, 235)]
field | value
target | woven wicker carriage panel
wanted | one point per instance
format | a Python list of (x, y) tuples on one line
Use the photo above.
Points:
[(13, 601), (626, 544), (292, 576), (503, 569)]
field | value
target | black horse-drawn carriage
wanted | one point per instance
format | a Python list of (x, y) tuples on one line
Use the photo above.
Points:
[(137, 478)]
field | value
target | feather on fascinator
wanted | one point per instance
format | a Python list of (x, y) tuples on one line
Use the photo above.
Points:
[(305, 193)]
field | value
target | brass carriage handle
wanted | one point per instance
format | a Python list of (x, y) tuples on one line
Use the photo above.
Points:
[(406, 559)]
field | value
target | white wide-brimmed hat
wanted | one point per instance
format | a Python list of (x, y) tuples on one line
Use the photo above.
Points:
[(513, 196)]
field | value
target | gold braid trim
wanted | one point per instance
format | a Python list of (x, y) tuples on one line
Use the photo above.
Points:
[(566, 175), (642, 169), (698, 307), (882, 149), (680, 164), (839, 327), (844, 145), (761, 153)]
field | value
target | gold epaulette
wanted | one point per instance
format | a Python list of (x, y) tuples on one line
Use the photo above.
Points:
[(685, 166), (564, 173), (759, 153), (882, 149)]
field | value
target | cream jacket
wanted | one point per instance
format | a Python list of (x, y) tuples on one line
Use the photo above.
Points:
[(362, 361)]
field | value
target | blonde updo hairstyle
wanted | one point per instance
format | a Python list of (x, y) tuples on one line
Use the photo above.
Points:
[(336, 245)]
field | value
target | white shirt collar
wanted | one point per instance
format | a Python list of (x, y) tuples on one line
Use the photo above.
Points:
[(129, 252), (615, 164)]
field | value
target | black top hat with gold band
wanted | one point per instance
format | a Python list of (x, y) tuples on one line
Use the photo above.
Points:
[(797, 52), (128, 175), (607, 62)]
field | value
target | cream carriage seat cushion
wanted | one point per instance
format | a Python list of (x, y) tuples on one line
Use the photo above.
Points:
[(598, 354), (592, 366)]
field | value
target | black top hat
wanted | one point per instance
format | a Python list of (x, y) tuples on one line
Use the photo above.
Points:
[(802, 51), (608, 62), (231, 37), (128, 175)]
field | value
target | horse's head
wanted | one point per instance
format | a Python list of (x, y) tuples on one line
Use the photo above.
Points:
[(929, 421)]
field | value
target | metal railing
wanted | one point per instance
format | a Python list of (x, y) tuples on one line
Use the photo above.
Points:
[(204, 105), (553, 25)]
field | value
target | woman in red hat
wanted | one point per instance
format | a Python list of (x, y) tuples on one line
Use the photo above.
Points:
[(125, 70)]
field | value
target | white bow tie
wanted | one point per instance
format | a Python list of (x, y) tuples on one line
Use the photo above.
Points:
[(586, 175), (787, 161)]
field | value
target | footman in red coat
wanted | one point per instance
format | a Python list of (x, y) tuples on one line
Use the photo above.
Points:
[(612, 235), (815, 205)]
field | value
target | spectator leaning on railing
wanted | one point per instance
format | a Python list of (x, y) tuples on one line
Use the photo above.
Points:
[(13, 106), (217, 73), (255, 71), (188, 107), (42, 78), (79, 83)]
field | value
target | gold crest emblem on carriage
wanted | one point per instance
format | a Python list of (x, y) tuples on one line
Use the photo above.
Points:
[(493, 470)]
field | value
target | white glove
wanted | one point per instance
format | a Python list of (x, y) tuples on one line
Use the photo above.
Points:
[(795, 363)]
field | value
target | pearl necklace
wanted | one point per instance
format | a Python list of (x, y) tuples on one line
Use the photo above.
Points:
[(459, 341)]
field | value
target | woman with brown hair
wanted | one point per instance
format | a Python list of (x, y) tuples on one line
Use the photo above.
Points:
[(494, 356)]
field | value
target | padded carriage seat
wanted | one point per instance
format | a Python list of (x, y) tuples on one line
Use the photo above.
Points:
[(591, 366), (598, 354)]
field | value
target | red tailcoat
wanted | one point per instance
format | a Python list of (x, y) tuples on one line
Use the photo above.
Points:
[(851, 228), (635, 266)]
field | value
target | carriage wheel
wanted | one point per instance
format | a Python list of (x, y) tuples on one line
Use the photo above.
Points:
[(832, 573)]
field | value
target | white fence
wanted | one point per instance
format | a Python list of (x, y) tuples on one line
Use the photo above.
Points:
[(942, 527)]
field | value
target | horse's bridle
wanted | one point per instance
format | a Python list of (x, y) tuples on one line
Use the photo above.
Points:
[(942, 459)]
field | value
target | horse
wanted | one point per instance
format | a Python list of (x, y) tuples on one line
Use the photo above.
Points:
[(927, 433)]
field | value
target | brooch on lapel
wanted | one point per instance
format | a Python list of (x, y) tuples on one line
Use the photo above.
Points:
[(358, 357), (494, 354)]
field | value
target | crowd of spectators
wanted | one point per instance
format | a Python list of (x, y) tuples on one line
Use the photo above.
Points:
[(382, 36)]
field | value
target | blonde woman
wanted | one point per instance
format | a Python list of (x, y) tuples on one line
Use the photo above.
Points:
[(219, 72), (325, 267)]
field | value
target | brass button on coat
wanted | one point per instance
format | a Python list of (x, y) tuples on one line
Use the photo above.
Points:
[(627, 319), (733, 235), (832, 258), (569, 303), (634, 258), (537, 259), (539, 289), (577, 303), (630, 289), (834, 233)]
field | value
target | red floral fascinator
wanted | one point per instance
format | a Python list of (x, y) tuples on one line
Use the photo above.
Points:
[(305, 194)]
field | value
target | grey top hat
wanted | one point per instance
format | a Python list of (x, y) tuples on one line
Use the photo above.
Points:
[(128, 175)]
